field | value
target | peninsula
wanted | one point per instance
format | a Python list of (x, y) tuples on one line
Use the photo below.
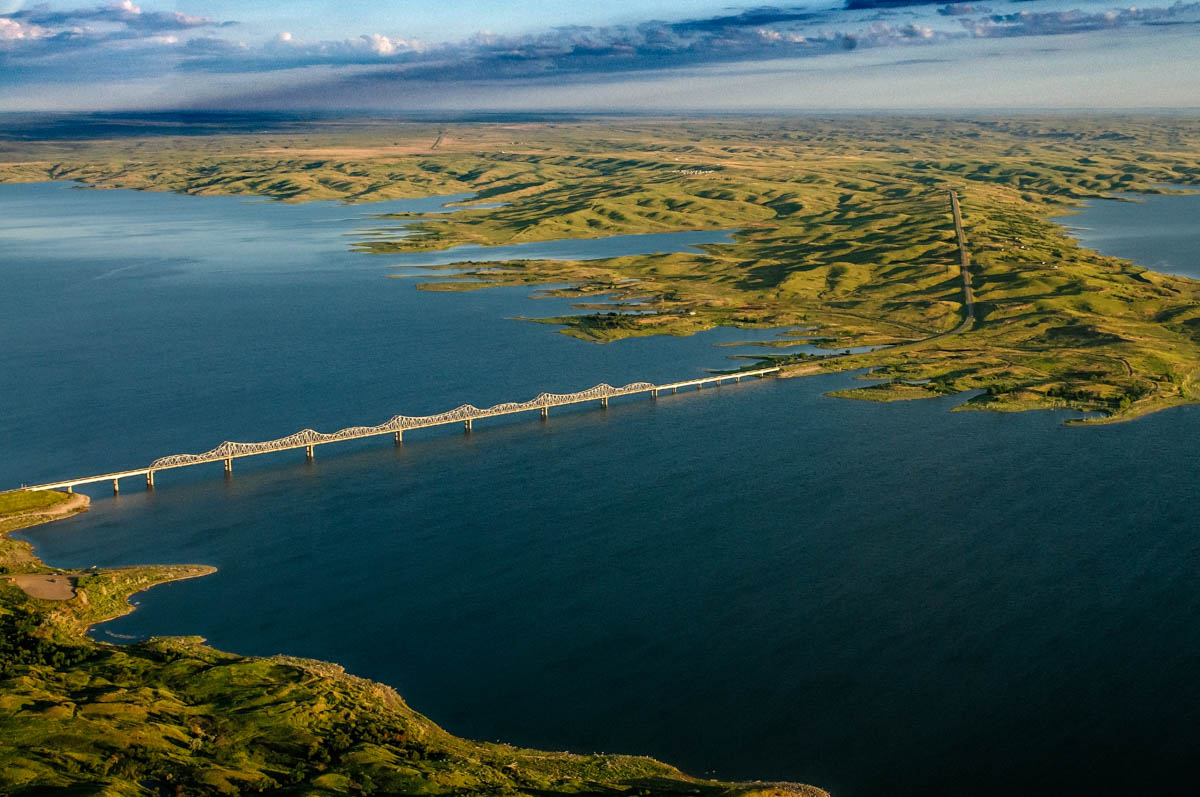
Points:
[(842, 232)]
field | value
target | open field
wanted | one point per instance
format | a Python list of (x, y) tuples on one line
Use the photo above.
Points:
[(172, 713), (843, 227)]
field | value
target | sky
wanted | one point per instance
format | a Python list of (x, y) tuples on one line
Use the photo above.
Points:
[(617, 55)]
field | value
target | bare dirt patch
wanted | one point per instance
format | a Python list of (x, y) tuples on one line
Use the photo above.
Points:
[(48, 588)]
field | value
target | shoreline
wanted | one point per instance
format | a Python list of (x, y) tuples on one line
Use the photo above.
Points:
[(978, 352), (78, 502), (27, 571), (228, 723)]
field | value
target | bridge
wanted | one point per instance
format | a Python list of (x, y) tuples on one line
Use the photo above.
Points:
[(466, 414)]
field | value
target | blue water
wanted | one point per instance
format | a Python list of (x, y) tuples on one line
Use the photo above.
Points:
[(1159, 233), (137, 324), (755, 581)]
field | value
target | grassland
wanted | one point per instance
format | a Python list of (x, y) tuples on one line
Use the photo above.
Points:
[(842, 227), (173, 716)]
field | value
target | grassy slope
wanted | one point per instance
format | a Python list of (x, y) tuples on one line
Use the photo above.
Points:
[(843, 227), (15, 507), (147, 718)]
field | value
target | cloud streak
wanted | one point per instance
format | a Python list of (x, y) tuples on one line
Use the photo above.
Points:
[(40, 36), (758, 34), (1057, 23), (124, 40), (124, 14)]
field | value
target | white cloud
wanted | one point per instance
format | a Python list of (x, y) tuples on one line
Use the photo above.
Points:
[(384, 45), (12, 30)]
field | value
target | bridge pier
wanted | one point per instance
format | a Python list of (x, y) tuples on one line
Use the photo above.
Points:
[(116, 487), (399, 438), (545, 413), (229, 465), (70, 488), (654, 393), (467, 425), (604, 402), (149, 480), (308, 453)]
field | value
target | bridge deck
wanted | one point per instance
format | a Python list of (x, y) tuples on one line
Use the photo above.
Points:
[(309, 439)]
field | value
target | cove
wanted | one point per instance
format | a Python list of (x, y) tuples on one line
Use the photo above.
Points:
[(758, 580), (1158, 231)]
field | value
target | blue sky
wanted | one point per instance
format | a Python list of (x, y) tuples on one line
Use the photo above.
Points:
[(653, 55), (438, 21)]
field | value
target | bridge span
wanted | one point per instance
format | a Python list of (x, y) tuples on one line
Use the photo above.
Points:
[(466, 414)]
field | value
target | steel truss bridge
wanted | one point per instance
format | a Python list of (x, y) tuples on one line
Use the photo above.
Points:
[(466, 414)]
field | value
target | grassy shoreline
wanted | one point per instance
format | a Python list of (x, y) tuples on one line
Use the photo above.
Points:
[(172, 713)]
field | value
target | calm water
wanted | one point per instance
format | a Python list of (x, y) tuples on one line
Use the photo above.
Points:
[(137, 324), (1160, 233), (755, 581)]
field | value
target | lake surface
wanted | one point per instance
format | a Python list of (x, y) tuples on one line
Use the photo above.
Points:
[(754, 581), (1161, 233)]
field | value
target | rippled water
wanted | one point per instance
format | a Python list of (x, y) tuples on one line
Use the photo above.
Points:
[(754, 580)]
